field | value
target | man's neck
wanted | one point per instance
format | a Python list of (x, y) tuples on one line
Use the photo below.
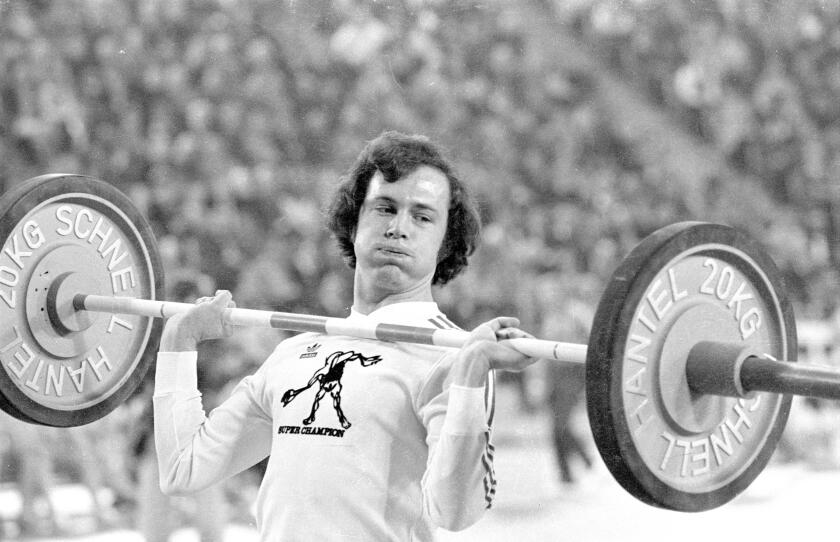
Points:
[(367, 298)]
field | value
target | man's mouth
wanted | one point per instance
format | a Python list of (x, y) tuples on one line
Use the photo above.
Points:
[(392, 251)]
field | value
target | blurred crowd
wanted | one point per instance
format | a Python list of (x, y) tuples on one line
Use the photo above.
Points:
[(229, 122)]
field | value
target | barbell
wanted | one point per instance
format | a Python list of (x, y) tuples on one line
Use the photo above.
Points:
[(689, 367)]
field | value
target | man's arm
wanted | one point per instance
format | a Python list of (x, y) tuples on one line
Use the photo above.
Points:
[(460, 483), (194, 450)]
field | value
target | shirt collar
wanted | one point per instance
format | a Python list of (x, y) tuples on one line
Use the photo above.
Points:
[(415, 313)]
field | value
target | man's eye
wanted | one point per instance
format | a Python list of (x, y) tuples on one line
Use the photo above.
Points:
[(423, 218), (383, 209)]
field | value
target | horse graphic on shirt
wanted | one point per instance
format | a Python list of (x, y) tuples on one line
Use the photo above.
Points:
[(328, 379)]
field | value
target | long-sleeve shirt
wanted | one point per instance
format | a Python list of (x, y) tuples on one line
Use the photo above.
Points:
[(368, 440)]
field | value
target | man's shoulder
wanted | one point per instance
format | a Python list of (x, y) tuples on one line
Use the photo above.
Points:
[(440, 320), (301, 341)]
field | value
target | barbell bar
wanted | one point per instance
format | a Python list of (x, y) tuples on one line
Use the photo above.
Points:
[(712, 367), (678, 366), (731, 370), (537, 348)]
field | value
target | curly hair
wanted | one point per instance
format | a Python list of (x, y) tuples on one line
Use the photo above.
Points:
[(396, 155)]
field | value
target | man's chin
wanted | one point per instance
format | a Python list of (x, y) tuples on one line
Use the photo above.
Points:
[(390, 276), (394, 281)]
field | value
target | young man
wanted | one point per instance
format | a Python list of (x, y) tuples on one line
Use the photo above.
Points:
[(368, 440)]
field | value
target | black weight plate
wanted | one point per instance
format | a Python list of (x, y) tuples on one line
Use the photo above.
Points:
[(663, 443), (87, 231)]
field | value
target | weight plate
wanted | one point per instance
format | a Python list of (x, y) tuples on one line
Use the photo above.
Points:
[(666, 445), (60, 235)]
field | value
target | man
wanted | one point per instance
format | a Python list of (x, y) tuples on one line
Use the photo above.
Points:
[(417, 454)]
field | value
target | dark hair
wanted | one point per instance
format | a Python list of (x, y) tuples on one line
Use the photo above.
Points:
[(396, 155)]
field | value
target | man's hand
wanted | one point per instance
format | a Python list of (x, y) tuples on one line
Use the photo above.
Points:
[(202, 322), (486, 349)]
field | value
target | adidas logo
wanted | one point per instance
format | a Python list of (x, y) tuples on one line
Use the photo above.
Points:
[(311, 351)]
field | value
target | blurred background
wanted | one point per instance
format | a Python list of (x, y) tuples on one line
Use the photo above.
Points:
[(581, 125)]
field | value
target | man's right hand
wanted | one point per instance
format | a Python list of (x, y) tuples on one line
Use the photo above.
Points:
[(202, 322), (486, 349)]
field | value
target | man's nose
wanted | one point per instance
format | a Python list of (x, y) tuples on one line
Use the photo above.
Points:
[(398, 226)]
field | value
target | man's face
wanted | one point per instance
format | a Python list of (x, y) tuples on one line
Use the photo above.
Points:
[(401, 229)]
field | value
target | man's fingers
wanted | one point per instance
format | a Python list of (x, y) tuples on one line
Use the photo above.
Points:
[(496, 324), (507, 327), (499, 329), (502, 322), (513, 333), (223, 298)]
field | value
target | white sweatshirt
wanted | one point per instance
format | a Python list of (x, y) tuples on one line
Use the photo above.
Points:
[(391, 451)]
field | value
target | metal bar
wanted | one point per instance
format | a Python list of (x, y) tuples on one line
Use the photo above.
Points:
[(537, 348), (764, 374)]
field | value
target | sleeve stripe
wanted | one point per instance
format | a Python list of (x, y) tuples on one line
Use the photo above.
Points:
[(491, 472), (489, 449), (442, 322), (491, 452), (490, 398), (490, 475), (435, 323), (448, 321)]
